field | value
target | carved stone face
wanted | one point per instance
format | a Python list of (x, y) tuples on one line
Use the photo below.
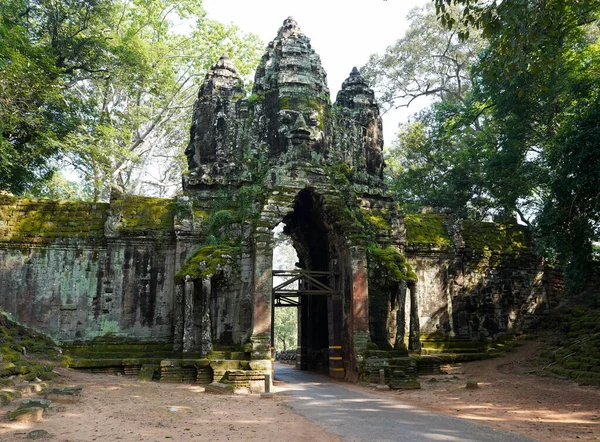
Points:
[(297, 125)]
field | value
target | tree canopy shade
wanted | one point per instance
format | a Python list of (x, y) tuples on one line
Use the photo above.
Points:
[(107, 85)]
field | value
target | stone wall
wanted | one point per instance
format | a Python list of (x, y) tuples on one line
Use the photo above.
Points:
[(77, 271), (477, 280)]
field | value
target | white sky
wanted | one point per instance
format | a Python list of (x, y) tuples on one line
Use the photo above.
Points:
[(343, 33)]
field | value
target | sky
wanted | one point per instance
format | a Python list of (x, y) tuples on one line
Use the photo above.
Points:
[(343, 32)]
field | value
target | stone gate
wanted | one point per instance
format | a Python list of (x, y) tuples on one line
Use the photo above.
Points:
[(188, 282)]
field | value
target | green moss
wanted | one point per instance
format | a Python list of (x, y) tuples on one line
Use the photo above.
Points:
[(44, 221), (13, 338), (140, 213), (510, 239), (255, 99), (427, 229), (378, 218), (304, 103), (209, 260), (575, 350), (389, 266)]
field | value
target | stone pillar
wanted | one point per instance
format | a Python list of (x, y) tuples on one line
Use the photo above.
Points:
[(263, 288), (360, 301), (189, 340), (400, 315), (205, 337), (178, 317), (414, 334)]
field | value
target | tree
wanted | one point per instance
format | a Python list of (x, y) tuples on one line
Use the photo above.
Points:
[(437, 161), (570, 216), (539, 76), (126, 79), (524, 137), (431, 161), (430, 60), (286, 327), (34, 115)]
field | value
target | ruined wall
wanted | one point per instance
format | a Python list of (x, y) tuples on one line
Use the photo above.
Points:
[(77, 270), (477, 279)]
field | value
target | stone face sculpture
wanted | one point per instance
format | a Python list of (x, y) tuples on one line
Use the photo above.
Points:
[(301, 158), (288, 118), (212, 134), (286, 154), (291, 86), (358, 100)]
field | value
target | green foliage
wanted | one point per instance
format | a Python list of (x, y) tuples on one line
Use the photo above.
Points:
[(427, 229), (570, 216), (107, 85), (286, 327), (434, 161), (34, 112), (524, 138)]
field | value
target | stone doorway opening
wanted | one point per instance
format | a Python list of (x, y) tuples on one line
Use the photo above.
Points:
[(316, 294), (285, 309)]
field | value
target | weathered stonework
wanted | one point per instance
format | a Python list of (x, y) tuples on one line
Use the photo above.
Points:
[(189, 282)]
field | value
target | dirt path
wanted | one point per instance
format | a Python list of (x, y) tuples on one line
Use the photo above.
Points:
[(115, 408), (122, 409), (543, 408)]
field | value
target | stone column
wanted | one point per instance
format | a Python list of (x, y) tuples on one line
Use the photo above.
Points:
[(205, 337), (189, 340), (400, 315), (178, 317), (263, 288), (360, 301), (414, 336)]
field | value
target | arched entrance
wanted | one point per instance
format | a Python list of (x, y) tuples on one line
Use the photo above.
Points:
[(317, 294)]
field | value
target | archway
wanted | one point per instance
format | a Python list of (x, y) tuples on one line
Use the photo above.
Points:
[(317, 294)]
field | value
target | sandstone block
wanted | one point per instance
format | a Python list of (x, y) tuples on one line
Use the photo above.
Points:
[(26, 415)]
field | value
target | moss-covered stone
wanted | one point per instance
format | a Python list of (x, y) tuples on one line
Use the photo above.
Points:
[(30, 414), (209, 260), (389, 266), (576, 350), (427, 229), (506, 239), (148, 373), (140, 214), (378, 218), (44, 221)]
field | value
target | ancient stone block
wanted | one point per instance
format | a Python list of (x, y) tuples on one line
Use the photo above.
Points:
[(26, 415)]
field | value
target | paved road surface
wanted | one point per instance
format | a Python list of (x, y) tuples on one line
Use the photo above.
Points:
[(357, 415)]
